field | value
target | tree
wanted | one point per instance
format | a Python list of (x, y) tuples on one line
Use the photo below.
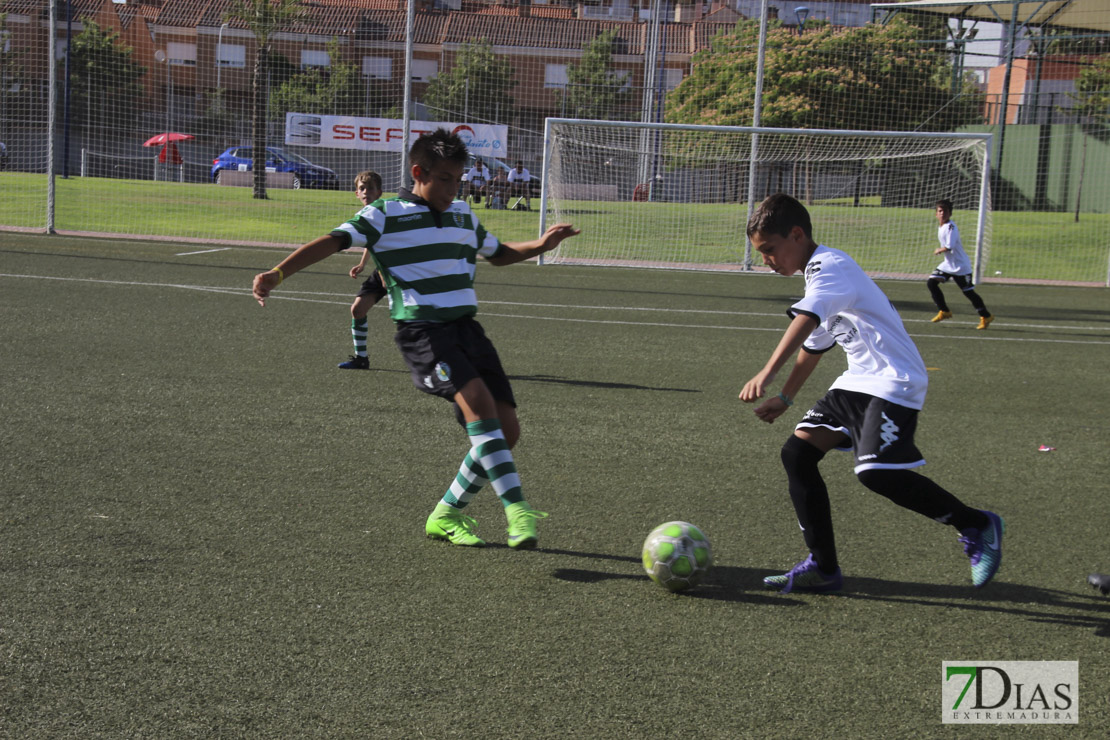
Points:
[(104, 80), (477, 88), (1092, 99), (869, 78), (264, 18), (594, 90), (335, 90)]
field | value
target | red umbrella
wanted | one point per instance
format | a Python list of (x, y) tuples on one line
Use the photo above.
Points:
[(169, 148), (162, 139)]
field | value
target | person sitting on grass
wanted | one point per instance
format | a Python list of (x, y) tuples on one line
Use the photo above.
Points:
[(871, 409), (424, 243), (368, 188), (520, 184)]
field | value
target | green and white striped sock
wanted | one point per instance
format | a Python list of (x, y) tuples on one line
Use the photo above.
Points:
[(491, 451), (358, 335), (470, 479)]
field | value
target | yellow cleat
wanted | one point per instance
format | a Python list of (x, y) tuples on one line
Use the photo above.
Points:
[(941, 316), (984, 322)]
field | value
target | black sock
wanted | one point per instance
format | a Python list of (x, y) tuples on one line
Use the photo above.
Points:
[(977, 302), (938, 296), (915, 492), (811, 500)]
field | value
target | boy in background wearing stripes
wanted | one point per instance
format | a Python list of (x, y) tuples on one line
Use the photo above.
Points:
[(368, 188), (871, 409), (424, 242)]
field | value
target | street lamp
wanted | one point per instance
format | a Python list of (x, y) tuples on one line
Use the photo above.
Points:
[(801, 13), (219, 55)]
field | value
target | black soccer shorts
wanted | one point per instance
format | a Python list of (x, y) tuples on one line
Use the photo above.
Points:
[(963, 281), (443, 356), (373, 286), (881, 431)]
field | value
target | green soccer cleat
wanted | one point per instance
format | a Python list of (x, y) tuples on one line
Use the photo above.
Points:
[(522, 525), (448, 523)]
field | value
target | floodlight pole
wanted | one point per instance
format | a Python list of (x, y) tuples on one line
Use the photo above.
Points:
[(757, 113), (220, 61), (406, 121)]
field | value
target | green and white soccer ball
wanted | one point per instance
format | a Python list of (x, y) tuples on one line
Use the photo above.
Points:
[(677, 555)]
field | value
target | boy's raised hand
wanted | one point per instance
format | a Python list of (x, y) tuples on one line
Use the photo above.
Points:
[(756, 387), (264, 282), (554, 235)]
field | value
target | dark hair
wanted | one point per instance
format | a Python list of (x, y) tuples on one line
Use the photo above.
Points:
[(370, 178), (945, 204), (439, 146), (778, 214)]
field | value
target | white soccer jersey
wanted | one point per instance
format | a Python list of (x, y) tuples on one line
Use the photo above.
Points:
[(426, 258), (478, 176), (853, 312), (955, 260), (523, 176)]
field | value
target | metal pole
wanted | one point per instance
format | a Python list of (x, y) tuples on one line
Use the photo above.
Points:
[(220, 61), (406, 122), (984, 203), (65, 114), (51, 116), (756, 114)]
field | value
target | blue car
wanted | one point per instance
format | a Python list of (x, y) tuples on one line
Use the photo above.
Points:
[(305, 173)]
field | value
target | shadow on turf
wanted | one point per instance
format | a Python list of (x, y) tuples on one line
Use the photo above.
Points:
[(999, 597), (598, 383), (729, 583), (725, 582)]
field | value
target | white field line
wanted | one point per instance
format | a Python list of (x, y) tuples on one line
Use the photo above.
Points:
[(289, 295)]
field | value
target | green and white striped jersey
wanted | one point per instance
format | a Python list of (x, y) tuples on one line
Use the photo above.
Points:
[(426, 258)]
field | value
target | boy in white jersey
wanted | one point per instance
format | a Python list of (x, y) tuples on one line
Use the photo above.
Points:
[(424, 243), (871, 409), (956, 267)]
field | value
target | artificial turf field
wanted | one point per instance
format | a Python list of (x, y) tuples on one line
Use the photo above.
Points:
[(207, 530)]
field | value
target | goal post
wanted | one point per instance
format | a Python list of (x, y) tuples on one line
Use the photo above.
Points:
[(675, 196)]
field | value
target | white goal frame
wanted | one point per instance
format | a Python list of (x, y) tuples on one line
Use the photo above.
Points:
[(977, 250)]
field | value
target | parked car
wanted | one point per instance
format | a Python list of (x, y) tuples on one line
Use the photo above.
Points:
[(305, 173)]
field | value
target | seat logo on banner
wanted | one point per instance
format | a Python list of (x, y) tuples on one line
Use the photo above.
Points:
[(386, 134)]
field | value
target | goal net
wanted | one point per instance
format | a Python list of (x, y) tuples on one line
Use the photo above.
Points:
[(678, 196)]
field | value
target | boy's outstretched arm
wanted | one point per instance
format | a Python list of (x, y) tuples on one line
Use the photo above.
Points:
[(774, 407), (302, 257), (519, 251), (800, 328)]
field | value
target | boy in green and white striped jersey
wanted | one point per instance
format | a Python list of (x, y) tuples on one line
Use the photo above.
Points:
[(425, 243)]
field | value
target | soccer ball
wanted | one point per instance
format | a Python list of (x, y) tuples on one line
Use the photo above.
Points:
[(677, 555)]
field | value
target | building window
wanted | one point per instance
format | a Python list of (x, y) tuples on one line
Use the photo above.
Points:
[(182, 54), (232, 55), (423, 70), (672, 78), (555, 75), (311, 58), (377, 68)]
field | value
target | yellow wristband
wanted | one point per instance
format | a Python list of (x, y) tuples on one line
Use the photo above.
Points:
[(281, 275)]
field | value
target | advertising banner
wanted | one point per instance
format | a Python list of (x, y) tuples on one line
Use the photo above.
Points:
[(386, 134)]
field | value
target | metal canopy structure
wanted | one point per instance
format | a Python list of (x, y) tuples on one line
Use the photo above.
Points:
[(1085, 15), (1088, 15)]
